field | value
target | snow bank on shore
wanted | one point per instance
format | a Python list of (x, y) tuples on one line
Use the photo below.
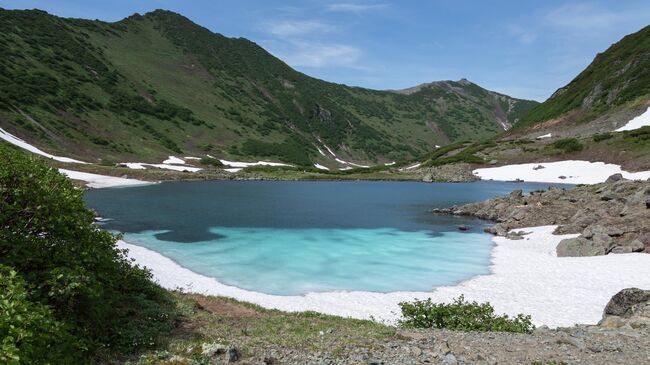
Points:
[(102, 181), (143, 166), (574, 172), (248, 164), (321, 167), (526, 277), (636, 123), (24, 145)]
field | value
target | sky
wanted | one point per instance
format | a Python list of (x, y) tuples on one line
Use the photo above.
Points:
[(525, 49)]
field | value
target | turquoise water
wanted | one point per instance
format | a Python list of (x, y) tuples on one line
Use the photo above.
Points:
[(291, 238)]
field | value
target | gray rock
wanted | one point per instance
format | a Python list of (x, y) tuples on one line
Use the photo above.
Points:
[(212, 349), (625, 303), (629, 308), (450, 359), (632, 246), (614, 178), (232, 355), (580, 246), (516, 194)]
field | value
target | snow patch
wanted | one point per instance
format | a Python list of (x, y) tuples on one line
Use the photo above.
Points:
[(411, 167), (174, 160), (102, 181), (248, 164), (24, 145), (319, 166), (143, 165), (573, 171), (526, 277), (637, 122), (235, 169), (389, 163), (548, 135)]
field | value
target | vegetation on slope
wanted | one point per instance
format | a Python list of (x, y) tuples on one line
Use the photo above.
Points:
[(461, 315), (68, 293), (149, 86), (617, 76)]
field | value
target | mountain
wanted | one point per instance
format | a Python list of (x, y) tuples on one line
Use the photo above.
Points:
[(157, 84), (617, 81)]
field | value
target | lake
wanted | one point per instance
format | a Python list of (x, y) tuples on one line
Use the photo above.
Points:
[(295, 237)]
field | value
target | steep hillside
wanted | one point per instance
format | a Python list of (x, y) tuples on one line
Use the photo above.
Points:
[(153, 85), (617, 79)]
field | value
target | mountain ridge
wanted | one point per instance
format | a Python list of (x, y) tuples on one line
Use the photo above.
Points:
[(155, 84)]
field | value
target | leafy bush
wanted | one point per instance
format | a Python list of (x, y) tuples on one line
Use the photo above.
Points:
[(461, 315), (568, 145), (207, 161), (73, 266), (28, 331), (602, 137)]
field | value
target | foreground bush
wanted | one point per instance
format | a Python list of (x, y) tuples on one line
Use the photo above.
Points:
[(29, 334), (461, 315), (71, 266)]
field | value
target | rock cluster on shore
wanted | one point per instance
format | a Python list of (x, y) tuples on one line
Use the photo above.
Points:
[(458, 172), (612, 217)]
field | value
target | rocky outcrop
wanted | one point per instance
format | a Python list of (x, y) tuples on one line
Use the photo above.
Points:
[(611, 217), (628, 308), (460, 172)]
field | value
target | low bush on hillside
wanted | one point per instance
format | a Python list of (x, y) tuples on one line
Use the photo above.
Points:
[(602, 137), (76, 281), (568, 145), (207, 161), (461, 315)]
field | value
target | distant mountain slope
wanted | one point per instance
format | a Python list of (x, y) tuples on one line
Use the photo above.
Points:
[(153, 85), (617, 78)]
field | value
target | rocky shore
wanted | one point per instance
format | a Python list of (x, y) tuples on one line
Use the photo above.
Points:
[(612, 217), (622, 337)]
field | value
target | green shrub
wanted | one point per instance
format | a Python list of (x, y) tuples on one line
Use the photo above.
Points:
[(29, 333), (461, 315), (73, 266), (568, 145), (207, 161), (602, 137)]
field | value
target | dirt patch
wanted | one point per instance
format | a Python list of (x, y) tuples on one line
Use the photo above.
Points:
[(223, 307)]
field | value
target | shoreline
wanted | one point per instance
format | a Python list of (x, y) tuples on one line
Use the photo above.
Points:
[(525, 277), (571, 172)]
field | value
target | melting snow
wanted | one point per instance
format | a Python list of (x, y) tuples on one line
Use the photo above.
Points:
[(638, 122), (574, 172), (24, 145)]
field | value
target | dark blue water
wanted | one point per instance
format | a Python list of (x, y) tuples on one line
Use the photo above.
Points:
[(285, 237)]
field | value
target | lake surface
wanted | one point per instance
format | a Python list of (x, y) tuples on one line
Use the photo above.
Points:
[(287, 238)]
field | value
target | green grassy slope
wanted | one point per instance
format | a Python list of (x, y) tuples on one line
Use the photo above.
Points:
[(616, 77), (153, 85)]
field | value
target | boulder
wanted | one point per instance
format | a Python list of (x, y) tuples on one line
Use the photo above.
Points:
[(580, 246), (632, 246), (516, 194), (629, 307), (614, 178)]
